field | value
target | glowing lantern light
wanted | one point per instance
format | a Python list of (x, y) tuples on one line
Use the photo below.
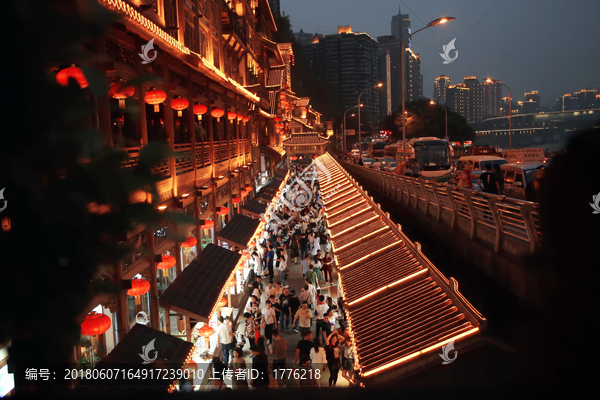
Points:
[(236, 200), (233, 283), (190, 241), (167, 263), (139, 287), (222, 211), (199, 110), (248, 189), (240, 117), (72, 72), (243, 193), (117, 91), (208, 224), (217, 113), (155, 97), (222, 302), (277, 119), (245, 119), (231, 116), (179, 104), (206, 332), (95, 324)]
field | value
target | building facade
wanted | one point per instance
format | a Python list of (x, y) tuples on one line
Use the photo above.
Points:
[(492, 99), (585, 99), (440, 89)]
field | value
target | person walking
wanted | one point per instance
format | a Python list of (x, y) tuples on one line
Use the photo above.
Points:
[(285, 309), (303, 247), (408, 168), (415, 169), (328, 268), (295, 247), (488, 181), (532, 189), (225, 334), (304, 264), (260, 364), (278, 349), (332, 351), (303, 315), (500, 175), (282, 268), (238, 365), (317, 355), (304, 346), (311, 276), (320, 310), (294, 307), (268, 320), (348, 359), (465, 178), (270, 259)]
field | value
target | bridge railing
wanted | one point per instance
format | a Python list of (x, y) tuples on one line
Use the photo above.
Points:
[(506, 224)]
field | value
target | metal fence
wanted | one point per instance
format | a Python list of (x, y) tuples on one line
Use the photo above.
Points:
[(506, 224)]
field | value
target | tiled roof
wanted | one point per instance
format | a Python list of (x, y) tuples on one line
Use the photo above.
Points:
[(199, 286), (171, 352), (304, 139), (265, 196), (254, 207), (399, 305), (239, 230)]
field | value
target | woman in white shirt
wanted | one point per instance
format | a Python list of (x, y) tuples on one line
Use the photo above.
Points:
[(317, 356), (282, 266), (316, 245)]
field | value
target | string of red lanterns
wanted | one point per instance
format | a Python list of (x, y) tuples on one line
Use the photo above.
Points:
[(217, 113)]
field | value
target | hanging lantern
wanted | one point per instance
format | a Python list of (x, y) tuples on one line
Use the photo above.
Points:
[(217, 113), (248, 189), (233, 283), (245, 119), (95, 324), (206, 332), (240, 117), (179, 104), (190, 241), (222, 302), (199, 110), (117, 91), (243, 193), (208, 224), (282, 96), (139, 287), (167, 263), (222, 211), (155, 97), (236, 200), (72, 72), (277, 119), (231, 116)]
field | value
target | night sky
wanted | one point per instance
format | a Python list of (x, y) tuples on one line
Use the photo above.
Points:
[(552, 46)]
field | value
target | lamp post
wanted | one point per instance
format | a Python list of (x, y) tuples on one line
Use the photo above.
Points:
[(446, 110), (359, 105), (344, 133), (429, 25), (509, 111)]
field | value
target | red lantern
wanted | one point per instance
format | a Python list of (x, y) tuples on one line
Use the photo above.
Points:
[(155, 97), (217, 113), (282, 96), (199, 109), (222, 302), (117, 91), (206, 331), (95, 324), (222, 211), (277, 119), (236, 200), (248, 189), (233, 282), (167, 262), (190, 241), (245, 119), (179, 104), (240, 117), (208, 224), (231, 116), (72, 72), (139, 287), (243, 193)]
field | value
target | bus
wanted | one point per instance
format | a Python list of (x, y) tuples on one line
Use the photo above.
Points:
[(376, 148), (364, 149), (433, 155)]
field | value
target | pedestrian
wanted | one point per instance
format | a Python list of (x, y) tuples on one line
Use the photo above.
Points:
[(303, 247), (317, 355), (303, 315), (416, 169), (282, 268), (225, 334), (268, 320), (408, 168), (270, 259), (306, 373), (294, 307), (377, 165), (304, 264), (489, 181), (269, 290), (285, 310), (316, 245), (295, 247), (257, 287), (465, 178), (217, 372), (260, 367), (532, 189), (304, 346), (312, 293), (256, 263), (332, 351), (317, 265), (348, 359), (277, 291), (278, 349), (327, 267), (311, 276), (238, 365), (320, 310), (500, 175)]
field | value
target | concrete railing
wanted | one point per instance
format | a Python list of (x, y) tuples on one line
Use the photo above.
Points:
[(504, 224)]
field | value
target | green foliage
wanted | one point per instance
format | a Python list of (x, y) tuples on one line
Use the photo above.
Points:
[(425, 119), (53, 168)]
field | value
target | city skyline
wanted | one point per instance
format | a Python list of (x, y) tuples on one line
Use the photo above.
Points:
[(518, 43)]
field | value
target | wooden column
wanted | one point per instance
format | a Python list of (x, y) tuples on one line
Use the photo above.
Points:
[(122, 309), (188, 328), (169, 127), (154, 310), (178, 258), (228, 136), (142, 123), (211, 145), (192, 128), (168, 320)]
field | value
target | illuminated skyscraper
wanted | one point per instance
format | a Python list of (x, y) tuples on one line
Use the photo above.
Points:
[(440, 89)]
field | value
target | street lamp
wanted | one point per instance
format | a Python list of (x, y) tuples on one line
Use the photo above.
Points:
[(358, 105), (488, 80), (433, 23), (344, 134), (446, 110)]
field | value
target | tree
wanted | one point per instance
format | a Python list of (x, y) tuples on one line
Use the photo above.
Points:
[(425, 119)]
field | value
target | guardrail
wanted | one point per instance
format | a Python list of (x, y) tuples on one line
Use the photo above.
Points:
[(506, 224)]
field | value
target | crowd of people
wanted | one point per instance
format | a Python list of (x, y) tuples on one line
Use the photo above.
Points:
[(296, 239)]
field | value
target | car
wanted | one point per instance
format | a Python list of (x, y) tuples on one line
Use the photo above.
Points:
[(367, 162), (385, 161), (391, 167), (517, 176), (479, 162), (354, 153)]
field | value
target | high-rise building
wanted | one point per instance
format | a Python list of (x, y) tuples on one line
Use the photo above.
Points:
[(585, 99), (492, 99), (475, 103), (440, 89), (348, 62), (401, 27), (458, 99), (412, 71), (532, 103), (275, 7), (385, 93)]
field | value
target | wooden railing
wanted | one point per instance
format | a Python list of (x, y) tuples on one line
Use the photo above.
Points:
[(506, 224)]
